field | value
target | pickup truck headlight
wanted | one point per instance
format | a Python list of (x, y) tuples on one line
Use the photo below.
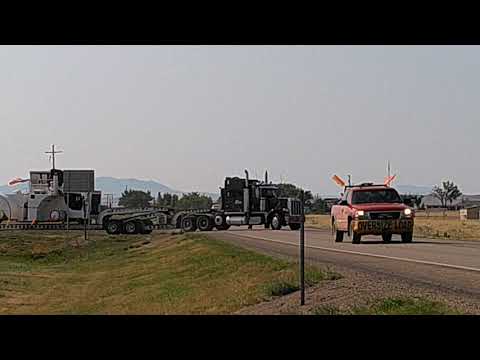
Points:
[(361, 215), (407, 212)]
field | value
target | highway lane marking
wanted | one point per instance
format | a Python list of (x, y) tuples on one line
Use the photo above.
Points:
[(366, 254)]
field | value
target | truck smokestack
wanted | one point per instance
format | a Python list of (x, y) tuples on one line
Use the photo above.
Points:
[(266, 177), (246, 178)]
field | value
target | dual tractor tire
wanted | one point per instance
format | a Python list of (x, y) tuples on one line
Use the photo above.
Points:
[(193, 223)]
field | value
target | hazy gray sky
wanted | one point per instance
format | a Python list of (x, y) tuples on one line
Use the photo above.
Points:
[(188, 116)]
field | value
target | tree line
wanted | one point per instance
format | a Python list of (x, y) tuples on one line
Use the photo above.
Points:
[(194, 200)]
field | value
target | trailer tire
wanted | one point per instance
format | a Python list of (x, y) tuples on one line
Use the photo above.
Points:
[(113, 227), (204, 223), (295, 226), (131, 228), (189, 224)]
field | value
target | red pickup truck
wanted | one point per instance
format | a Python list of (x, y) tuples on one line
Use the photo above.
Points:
[(369, 209)]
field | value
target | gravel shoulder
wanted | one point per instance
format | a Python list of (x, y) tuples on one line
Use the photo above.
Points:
[(364, 281)]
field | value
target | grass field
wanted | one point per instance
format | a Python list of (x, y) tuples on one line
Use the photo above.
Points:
[(433, 226), (42, 273), (392, 306)]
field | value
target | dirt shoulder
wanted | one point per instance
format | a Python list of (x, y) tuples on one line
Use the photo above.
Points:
[(360, 290)]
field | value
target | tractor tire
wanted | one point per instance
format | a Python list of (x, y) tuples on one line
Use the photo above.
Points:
[(387, 238), (355, 237), (143, 227), (189, 224), (113, 227), (131, 228), (204, 223), (276, 222), (337, 234), (295, 226), (407, 237)]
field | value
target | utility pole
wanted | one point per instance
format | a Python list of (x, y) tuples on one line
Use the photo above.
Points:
[(52, 153), (349, 180), (302, 249), (388, 169)]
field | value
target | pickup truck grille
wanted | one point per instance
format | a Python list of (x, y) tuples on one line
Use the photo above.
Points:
[(386, 215)]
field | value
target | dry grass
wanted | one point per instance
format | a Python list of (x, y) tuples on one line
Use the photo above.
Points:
[(154, 274), (433, 226)]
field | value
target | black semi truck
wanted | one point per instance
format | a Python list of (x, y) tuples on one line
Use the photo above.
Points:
[(246, 202), (243, 202)]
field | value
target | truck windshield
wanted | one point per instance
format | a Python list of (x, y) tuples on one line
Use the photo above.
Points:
[(375, 196)]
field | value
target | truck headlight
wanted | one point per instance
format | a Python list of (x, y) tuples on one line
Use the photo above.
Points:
[(360, 213), (407, 212)]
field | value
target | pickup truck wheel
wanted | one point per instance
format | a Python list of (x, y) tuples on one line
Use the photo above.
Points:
[(131, 228), (407, 237), (387, 238), (189, 224), (295, 226), (113, 227), (337, 235), (204, 223), (276, 222), (354, 236)]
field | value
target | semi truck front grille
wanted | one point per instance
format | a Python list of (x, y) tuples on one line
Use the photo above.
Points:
[(295, 208), (384, 215)]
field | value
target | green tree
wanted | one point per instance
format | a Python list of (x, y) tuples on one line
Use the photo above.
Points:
[(448, 192), (316, 206), (290, 190), (193, 201), (135, 198)]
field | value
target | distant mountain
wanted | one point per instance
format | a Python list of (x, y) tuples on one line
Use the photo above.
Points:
[(110, 185), (413, 189)]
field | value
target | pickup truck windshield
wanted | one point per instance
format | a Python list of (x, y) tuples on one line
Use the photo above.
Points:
[(375, 196)]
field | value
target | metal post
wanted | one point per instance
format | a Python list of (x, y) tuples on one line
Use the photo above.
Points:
[(85, 217), (302, 249)]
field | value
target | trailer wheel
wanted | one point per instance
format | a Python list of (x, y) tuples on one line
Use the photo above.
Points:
[(276, 222), (145, 227), (131, 228), (295, 226), (189, 224), (113, 227), (204, 223)]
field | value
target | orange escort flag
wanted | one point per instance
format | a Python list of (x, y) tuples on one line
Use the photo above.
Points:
[(389, 179), (339, 181)]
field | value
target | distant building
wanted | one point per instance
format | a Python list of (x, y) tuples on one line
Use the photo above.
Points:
[(461, 202)]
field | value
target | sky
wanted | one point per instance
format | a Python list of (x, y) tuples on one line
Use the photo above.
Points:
[(188, 116)]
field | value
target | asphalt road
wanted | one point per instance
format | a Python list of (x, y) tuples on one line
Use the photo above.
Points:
[(449, 265)]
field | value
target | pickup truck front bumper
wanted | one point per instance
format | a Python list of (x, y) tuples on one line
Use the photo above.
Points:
[(380, 227)]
